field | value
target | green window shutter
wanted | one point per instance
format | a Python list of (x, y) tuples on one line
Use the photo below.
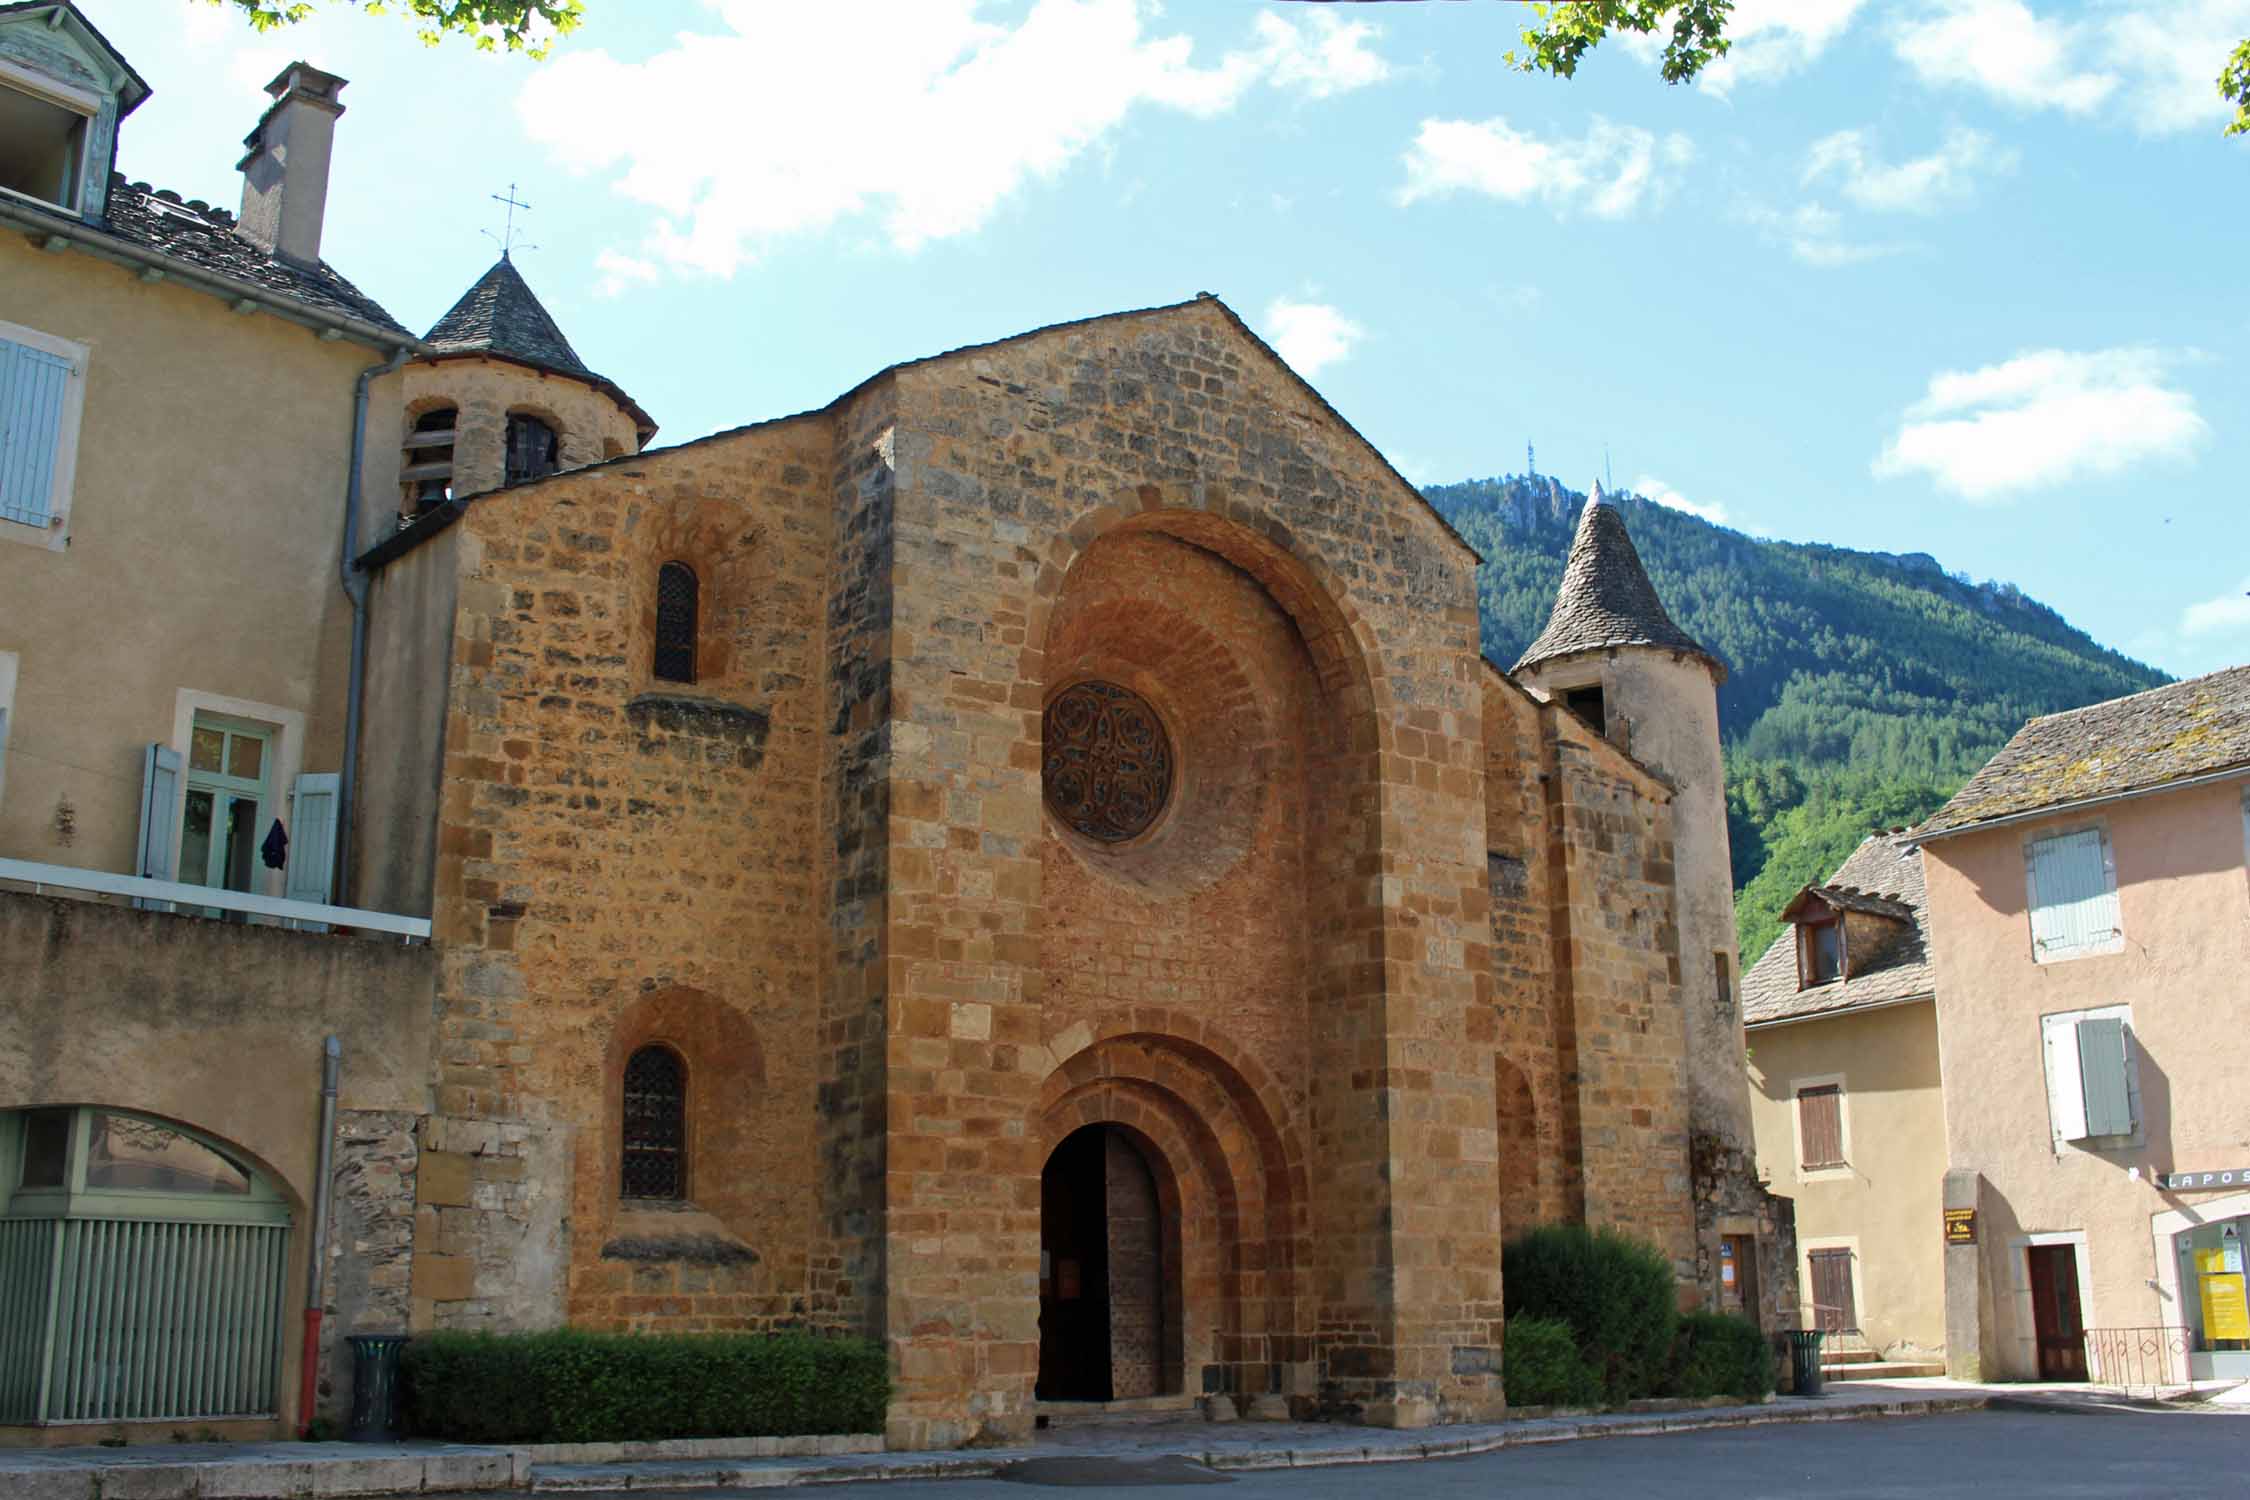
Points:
[(2101, 1071), (33, 384), (160, 814), (312, 840)]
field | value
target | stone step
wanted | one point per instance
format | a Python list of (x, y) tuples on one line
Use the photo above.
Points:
[(1883, 1369), (1848, 1357), (1141, 1409)]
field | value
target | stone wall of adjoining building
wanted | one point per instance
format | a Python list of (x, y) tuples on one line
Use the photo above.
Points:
[(371, 1243), (1535, 1106), (1618, 953), (625, 861)]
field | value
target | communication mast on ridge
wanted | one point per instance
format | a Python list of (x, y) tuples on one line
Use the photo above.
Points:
[(1530, 465)]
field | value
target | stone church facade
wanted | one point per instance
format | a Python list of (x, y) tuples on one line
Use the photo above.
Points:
[(1108, 930), (1027, 862)]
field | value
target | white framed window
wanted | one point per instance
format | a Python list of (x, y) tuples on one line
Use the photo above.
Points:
[(7, 711), (2093, 1078), (2071, 891), (1823, 1127), (42, 393)]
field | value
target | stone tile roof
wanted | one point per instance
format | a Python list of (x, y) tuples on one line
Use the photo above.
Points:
[(1883, 876), (1606, 599), (205, 237), (2132, 744), (499, 315)]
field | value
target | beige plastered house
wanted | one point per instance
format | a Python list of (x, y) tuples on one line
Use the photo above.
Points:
[(1841, 1019), (184, 391)]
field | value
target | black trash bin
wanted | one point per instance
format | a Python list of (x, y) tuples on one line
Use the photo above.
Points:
[(1804, 1360), (374, 1386)]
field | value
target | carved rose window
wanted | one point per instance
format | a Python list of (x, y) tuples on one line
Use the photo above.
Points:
[(1108, 767)]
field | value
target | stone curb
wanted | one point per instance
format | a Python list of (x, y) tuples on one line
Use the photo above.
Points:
[(745, 1462), (685, 1475)]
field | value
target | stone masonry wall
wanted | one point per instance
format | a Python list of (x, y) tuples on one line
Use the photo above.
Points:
[(624, 861), (1012, 460), (1613, 928)]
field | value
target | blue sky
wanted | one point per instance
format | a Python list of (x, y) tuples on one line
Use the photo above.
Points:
[(1969, 277)]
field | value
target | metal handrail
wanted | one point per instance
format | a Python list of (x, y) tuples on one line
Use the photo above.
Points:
[(41, 877), (2155, 1356)]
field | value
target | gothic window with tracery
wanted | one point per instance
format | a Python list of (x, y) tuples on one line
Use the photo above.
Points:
[(676, 608), (655, 1125), (1108, 763)]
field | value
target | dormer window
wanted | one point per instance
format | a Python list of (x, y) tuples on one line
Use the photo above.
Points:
[(1820, 950), (44, 126)]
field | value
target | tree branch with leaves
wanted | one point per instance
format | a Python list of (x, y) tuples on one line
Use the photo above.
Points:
[(527, 26), (1695, 35)]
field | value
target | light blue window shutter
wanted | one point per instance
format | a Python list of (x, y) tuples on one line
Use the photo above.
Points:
[(2101, 1071), (2073, 897), (33, 384), (312, 840), (160, 814)]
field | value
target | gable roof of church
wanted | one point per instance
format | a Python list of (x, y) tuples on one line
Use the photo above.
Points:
[(1606, 599), (500, 317), (444, 515)]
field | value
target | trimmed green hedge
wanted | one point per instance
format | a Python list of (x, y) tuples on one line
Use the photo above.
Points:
[(1540, 1366), (569, 1386), (1616, 1293), (1721, 1354)]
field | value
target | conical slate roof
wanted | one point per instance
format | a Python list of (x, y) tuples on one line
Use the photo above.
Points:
[(1606, 599), (499, 315)]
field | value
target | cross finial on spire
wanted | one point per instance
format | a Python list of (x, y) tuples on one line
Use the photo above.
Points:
[(506, 238)]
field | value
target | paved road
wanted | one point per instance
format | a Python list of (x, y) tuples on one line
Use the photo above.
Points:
[(1991, 1455)]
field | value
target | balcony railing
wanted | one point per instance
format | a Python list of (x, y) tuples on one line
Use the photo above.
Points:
[(164, 895)]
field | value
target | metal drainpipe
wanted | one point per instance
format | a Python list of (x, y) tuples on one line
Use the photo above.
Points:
[(355, 589), (316, 1279)]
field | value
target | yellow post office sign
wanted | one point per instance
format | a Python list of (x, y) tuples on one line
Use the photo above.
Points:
[(2226, 1310)]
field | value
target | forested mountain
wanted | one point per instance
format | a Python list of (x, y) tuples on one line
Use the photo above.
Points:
[(1862, 687)]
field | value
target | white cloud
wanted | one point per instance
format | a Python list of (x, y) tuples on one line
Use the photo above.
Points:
[(619, 272), (1310, 335), (2152, 63), (1774, 38), (1319, 53), (2171, 56), (2229, 614), (2006, 49), (789, 119), (1814, 234), (1649, 487), (2043, 418), (1609, 172), (1918, 185)]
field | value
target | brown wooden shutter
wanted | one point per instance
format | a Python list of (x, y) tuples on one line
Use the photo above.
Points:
[(1820, 1125), (1832, 1290)]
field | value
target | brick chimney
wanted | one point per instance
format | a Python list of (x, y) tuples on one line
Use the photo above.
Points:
[(285, 171)]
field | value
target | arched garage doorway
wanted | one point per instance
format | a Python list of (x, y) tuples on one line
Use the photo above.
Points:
[(1109, 1284), (141, 1271)]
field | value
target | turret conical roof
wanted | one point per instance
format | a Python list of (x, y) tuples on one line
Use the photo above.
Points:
[(499, 315), (1606, 599)]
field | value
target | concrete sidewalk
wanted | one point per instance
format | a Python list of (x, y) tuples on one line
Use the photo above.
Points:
[(272, 1471)]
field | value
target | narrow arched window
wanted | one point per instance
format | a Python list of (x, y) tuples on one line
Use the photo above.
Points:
[(675, 622), (532, 448), (655, 1125)]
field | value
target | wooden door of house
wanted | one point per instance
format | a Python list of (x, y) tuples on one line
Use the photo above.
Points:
[(2055, 1317), (1834, 1311)]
